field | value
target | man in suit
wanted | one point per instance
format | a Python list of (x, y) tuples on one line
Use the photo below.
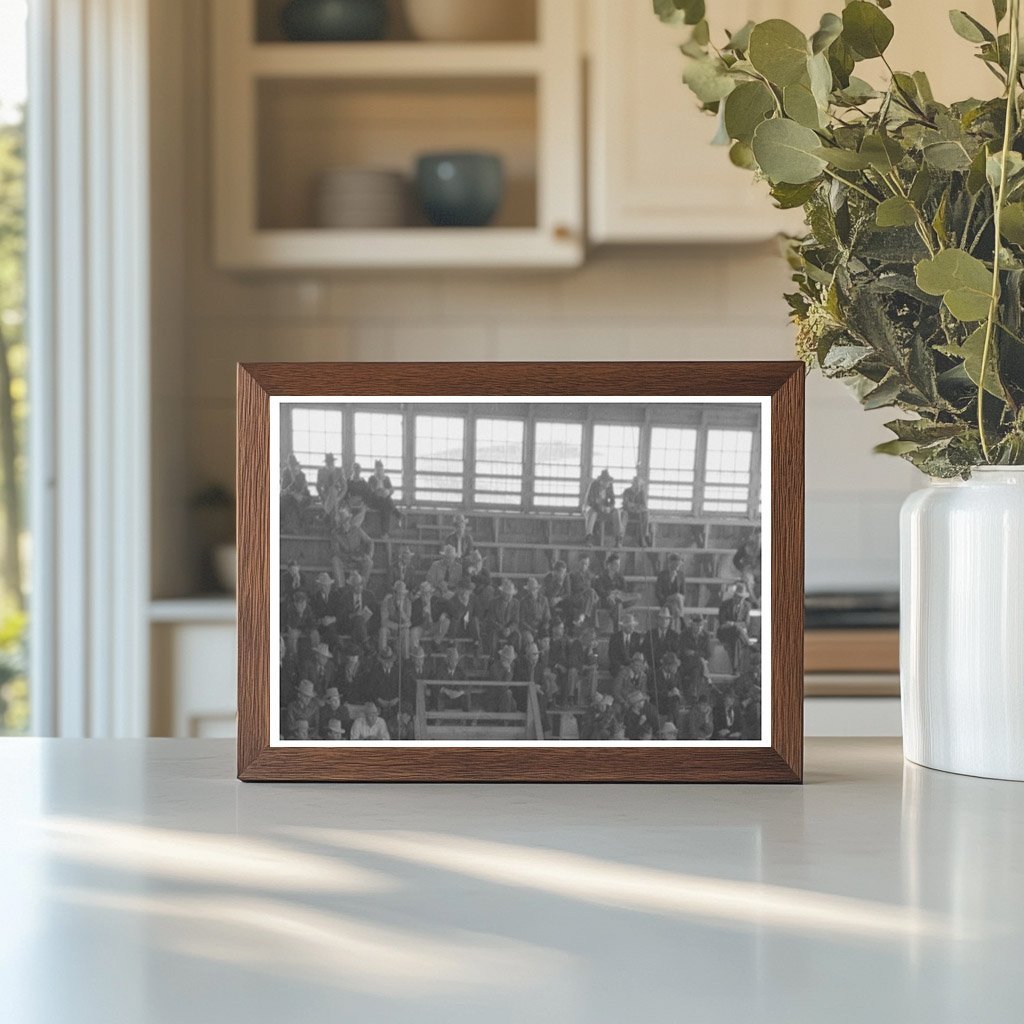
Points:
[(662, 638), (351, 548), (358, 609), (734, 617), (670, 585), (460, 538), (445, 574), (624, 643), (502, 621), (330, 485), (449, 695), (634, 508), (321, 669), (461, 616), (599, 506), (325, 604), (612, 590), (558, 590), (534, 609), (583, 596)]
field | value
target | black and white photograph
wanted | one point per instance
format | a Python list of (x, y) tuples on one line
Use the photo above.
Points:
[(558, 571)]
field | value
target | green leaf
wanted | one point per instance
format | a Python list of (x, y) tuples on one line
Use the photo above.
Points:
[(739, 41), (963, 281), (896, 212), (745, 108), (785, 152), (829, 30), (947, 156), (866, 29), (844, 159), (778, 50), (883, 153), (969, 28), (708, 80), (1012, 225), (971, 352), (800, 105), (679, 12), (789, 197)]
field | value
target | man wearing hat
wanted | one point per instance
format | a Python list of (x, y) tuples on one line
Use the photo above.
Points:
[(670, 585), (405, 569), (358, 609), (624, 643), (358, 495), (325, 606), (502, 671), (581, 587), (297, 623), (613, 592), (380, 498), (460, 538), (449, 695), (634, 507), (351, 548), (640, 719), (396, 618), (661, 638), (557, 589), (599, 718), (534, 609), (461, 616), (330, 485), (599, 506), (633, 676), (369, 725), (321, 669), (501, 623), (304, 707), (445, 574)]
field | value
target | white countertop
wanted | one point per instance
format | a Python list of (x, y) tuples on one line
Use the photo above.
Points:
[(142, 884)]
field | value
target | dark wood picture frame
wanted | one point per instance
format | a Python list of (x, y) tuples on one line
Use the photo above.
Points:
[(780, 761)]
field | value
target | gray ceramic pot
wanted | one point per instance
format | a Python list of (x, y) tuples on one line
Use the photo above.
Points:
[(334, 20), (460, 189)]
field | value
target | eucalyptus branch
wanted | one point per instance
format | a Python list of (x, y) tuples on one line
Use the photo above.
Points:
[(1000, 199)]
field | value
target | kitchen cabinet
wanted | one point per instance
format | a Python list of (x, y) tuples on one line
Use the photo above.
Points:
[(653, 175), (286, 113)]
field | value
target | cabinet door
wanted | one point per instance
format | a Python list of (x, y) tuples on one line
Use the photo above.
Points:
[(654, 176)]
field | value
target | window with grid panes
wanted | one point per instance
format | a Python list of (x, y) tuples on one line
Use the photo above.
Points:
[(499, 462), (558, 464), (673, 461), (727, 471), (316, 431), (440, 459), (616, 447), (378, 435)]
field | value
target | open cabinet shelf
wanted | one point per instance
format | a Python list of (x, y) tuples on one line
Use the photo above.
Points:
[(285, 114)]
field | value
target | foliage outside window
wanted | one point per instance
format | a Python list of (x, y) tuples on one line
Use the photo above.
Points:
[(14, 706)]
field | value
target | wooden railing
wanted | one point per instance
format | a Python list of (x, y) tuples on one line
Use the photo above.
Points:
[(478, 724)]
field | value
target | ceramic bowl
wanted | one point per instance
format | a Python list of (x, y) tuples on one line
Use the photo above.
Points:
[(334, 20), (460, 189)]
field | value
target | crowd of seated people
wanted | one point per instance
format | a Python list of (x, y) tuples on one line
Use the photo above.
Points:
[(355, 643)]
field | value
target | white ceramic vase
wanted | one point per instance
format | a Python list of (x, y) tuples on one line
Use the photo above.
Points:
[(962, 624)]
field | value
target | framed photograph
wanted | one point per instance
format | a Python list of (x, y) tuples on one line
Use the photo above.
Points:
[(520, 572)]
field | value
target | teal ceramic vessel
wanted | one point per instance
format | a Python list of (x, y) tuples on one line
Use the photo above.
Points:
[(334, 21), (461, 190)]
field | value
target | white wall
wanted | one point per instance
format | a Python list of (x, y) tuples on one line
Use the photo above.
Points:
[(700, 303)]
